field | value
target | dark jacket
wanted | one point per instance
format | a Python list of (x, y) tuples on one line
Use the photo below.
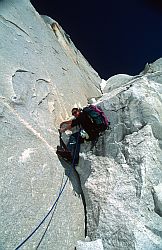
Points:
[(85, 122)]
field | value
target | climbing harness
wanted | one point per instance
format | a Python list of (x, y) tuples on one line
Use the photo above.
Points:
[(55, 202)]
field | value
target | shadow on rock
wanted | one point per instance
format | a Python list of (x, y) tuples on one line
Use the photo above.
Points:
[(73, 176)]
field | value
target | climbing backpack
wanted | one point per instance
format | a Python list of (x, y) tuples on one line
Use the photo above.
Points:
[(98, 117)]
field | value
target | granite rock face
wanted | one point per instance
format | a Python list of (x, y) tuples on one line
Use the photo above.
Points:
[(42, 76), (91, 245), (122, 176)]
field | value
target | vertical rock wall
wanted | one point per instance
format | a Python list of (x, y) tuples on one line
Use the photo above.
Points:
[(42, 77), (122, 176), (40, 80)]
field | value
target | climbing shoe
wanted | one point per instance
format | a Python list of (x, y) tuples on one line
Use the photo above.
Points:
[(66, 155)]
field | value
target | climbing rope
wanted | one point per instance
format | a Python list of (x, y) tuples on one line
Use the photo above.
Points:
[(57, 199), (50, 218)]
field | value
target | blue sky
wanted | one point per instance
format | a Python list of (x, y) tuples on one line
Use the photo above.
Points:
[(114, 36)]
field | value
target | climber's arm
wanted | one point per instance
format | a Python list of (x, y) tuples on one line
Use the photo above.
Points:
[(65, 126)]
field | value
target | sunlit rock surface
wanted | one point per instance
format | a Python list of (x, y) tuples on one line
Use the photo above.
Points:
[(42, 76), (89, 245), (122, 176)]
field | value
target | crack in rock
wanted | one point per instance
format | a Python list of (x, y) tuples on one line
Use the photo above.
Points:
[(3, 18)]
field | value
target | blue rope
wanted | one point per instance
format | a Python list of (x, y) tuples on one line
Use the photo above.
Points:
[(60, 193), (50, 219)]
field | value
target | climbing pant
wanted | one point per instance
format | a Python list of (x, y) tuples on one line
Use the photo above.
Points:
[(74, 146)]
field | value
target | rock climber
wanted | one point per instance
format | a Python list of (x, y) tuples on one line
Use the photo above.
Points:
[(87, 130), (84, 126)]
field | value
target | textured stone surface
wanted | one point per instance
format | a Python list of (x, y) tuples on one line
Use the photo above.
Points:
[(42, 76), (93, 245), (157, 195), (121, 177)]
